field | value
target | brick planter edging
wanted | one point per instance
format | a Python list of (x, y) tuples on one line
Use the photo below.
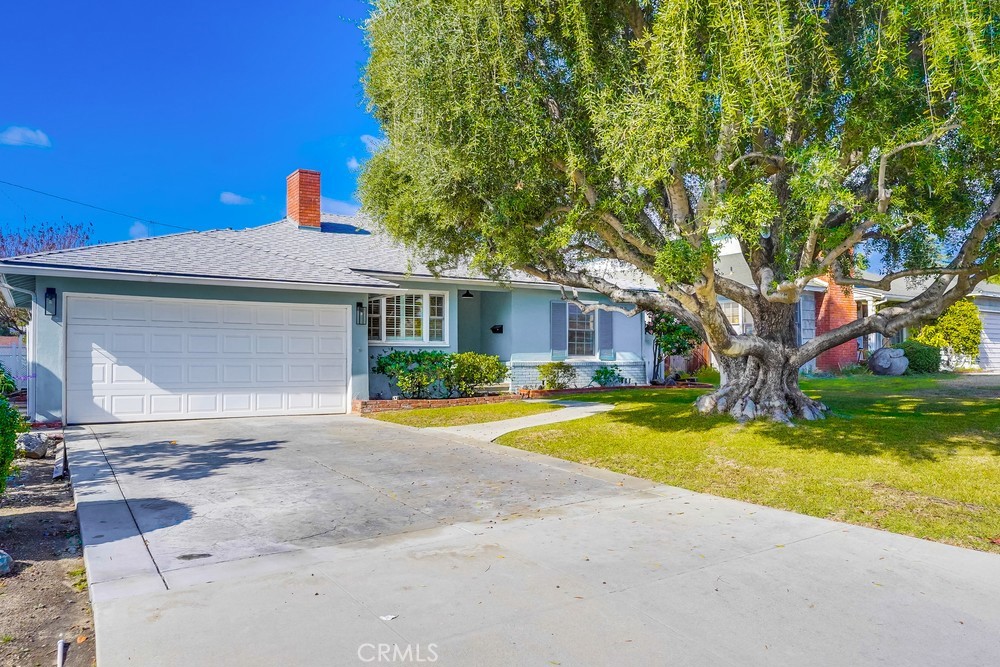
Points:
[(372, 406), (547, 393)]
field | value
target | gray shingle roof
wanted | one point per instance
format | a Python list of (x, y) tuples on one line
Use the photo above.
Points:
[(346, 255)]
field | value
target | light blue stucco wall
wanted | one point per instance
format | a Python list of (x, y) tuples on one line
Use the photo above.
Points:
[(496, 309), (49, 339), (524, 314), (530, 328)]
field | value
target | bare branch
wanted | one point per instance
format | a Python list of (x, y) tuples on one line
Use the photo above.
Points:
[(591, 307), (885, 283), (775, 162)]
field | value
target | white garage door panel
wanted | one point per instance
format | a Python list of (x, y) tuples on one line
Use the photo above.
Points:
[(989, 348), (147, 359)]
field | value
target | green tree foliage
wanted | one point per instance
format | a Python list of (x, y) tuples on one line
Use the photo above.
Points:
[(959, 328), (671, 337), (563, 137)]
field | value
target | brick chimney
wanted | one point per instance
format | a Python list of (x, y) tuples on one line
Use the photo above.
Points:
[(303, 198), (833, 309)]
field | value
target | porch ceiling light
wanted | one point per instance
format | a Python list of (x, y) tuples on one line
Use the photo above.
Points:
[(468, 295)]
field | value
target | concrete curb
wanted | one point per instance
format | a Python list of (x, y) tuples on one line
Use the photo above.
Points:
[(114, 551)]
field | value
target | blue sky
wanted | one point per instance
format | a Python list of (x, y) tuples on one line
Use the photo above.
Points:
[(186, 113)]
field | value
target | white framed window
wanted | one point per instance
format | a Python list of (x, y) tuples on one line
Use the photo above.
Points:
[(731, 310), (738, 316), (581, 332), (419, 317)]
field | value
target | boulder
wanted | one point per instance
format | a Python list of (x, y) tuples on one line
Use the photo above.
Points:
[(32, 445), (888, 361), (6, 563)]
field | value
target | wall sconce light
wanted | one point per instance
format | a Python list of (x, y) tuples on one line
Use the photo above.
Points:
[(467, 295), (497, 328), (360, 314), (50, 301)]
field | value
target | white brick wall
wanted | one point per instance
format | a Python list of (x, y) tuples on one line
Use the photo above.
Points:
[(525, 373)]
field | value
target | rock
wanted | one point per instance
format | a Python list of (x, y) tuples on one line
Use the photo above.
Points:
[(6, 563), (32, 445), (888, 361)]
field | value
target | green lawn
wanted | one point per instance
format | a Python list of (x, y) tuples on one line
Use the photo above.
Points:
[(469, 414), (914, 455)]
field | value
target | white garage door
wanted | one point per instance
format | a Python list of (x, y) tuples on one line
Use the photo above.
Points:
[(989, 347), (134, 359)]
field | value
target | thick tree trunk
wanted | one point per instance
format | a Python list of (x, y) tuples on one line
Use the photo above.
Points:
[(753, 389)]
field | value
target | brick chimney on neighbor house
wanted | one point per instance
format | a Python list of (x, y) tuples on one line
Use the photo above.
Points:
[(835, 308), (303, 198)]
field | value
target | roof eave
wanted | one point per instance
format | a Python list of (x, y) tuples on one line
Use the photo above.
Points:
[(102, 274)]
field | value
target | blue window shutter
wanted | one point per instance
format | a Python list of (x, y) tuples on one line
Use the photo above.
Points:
[(557, 330), (605, 335)]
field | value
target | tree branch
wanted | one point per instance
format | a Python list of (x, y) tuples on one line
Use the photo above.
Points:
[(883, 193), (776, 162)]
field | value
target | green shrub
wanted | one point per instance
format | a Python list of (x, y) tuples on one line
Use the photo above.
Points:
[(556, 375), (708, 375), (923, 358), (11, 423), (416, 373), (469, 370), (7, 384), (607, 376), (958, 328), (855, 369)]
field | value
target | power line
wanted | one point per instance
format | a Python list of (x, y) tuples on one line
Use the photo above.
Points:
[(97, 208)]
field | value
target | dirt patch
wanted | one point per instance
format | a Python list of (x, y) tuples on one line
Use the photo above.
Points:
[(45, 598), (966, 385)]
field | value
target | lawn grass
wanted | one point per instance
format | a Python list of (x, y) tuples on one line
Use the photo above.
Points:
[(914, 455), (466, 414)]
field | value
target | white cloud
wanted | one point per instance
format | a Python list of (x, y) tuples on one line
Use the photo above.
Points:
[(138, 230), (372, 143), (353, 164), (24, 136), (233, 199), (338, 207)]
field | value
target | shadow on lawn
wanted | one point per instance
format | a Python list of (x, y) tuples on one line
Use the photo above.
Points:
[(910, 427)]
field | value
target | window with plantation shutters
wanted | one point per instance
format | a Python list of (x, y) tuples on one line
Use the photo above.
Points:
[(420, 317)]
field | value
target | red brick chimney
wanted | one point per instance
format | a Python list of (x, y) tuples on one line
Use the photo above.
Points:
[(303, 198), (835, 308)]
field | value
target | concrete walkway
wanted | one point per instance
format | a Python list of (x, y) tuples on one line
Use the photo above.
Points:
[(337, 541), (490, 431)]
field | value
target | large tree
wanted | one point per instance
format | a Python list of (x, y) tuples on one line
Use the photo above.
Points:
[(558, 137), (29, 239)]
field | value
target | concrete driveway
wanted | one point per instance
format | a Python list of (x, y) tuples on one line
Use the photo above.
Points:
[(337, 540)]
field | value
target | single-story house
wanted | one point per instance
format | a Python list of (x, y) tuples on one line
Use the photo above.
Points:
[(284, 318)]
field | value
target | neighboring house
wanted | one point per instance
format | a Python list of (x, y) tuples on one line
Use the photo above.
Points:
[(285, 318), (821, 309)]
